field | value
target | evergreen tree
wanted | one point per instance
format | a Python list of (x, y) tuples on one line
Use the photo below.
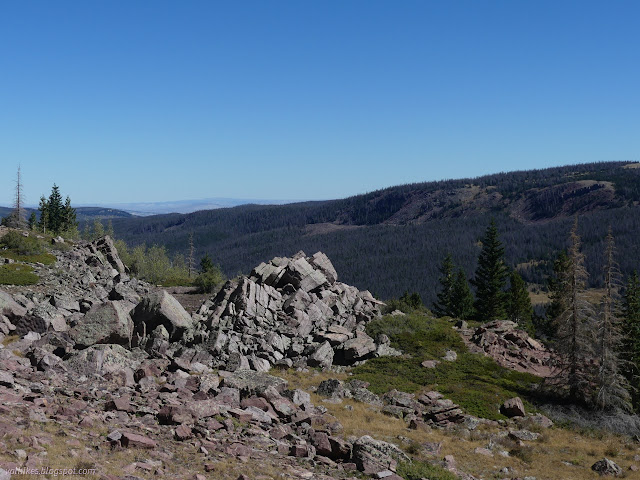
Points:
[(631, 337), (491, 276), (33, 221), (206, 265), (574, 345), (444, 306), (69, 223), (109, 229), (462, 298), (55, 209), (43, 224), (98, 229), (519, 307), (559, 285), (612, 387)]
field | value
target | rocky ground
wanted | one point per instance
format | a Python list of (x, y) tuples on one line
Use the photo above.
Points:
[(112, 377)]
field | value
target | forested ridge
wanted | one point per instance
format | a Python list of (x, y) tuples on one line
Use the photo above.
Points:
[(394, 239)]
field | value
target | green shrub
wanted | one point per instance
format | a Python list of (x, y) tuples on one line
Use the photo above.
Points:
[(17, 274), (44, 258), (20, 244), (417, 470), (475, 382), (209, 280)]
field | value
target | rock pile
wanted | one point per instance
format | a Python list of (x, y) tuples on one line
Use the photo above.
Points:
[(509, 347), (242, 415), (87, 282), (290, 312), (422, 411)]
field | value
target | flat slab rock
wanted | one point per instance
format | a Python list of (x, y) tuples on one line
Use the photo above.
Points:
[(250, 382)]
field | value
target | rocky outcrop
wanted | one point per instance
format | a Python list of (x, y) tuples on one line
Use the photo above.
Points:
[(290, 312), (513, 408), (509, 346), (105, 323), (607, 467), (373, 456), (160, 309)]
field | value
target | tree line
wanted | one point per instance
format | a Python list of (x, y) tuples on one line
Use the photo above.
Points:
[(596, 342)]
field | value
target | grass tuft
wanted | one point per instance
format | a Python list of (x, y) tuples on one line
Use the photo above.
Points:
[(17, 274)]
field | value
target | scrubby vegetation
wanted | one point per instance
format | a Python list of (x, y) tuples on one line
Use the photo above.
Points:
[(17, 274), (475, 382), (17, 247)]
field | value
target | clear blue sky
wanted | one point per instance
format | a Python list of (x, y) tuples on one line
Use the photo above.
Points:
[(122, 101)]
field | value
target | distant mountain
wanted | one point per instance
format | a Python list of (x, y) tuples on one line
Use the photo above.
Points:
[(394, 239), (188, 206), (82, 213)]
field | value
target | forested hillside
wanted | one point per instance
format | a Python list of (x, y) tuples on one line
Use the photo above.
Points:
[(394, 239)]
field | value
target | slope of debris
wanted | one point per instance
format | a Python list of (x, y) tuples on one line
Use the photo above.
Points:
[(291, 312), (509, 346), (90, 346)]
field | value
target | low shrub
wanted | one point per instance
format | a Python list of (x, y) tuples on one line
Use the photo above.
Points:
[(15, 241), (17, 274), (44, 258)]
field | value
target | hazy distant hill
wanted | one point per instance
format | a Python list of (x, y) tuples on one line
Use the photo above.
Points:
[(144, 209), (82, 213), (393, 239)]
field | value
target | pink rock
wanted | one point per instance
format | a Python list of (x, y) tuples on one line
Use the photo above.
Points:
[(513, 408), (133, 440), (183, 432)]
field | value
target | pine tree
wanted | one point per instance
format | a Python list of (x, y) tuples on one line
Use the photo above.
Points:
[(43, 224), (574, 345), (55, 209), (631, 337), (98, 229), (559, 285), (444, 306), (519, 307), (462, 298), (109, 229), (612, 387), (33, 221), (491, 276), (69, 224), (206, 265)]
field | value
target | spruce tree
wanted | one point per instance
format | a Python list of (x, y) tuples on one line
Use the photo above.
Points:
[(519, 309), (573, 342), (559, 285), (491, 276), (55, 209), (69, 223), (33, 221), (444, 306), (631, 337), (462, 298), (98, 229), (43, 224), (612, 387)]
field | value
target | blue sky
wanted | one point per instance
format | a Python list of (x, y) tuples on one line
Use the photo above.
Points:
[(130, 101)]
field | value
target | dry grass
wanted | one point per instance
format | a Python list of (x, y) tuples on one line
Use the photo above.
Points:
[(558, 454), (10, 339)]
